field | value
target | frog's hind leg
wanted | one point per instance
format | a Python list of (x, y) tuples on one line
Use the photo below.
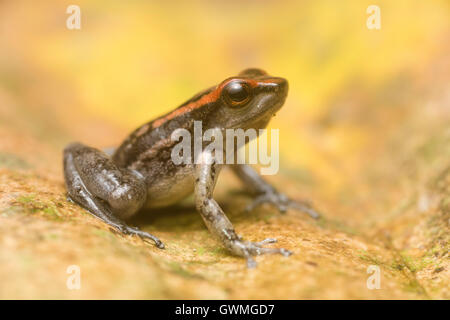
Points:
[(110, 193), (265, 193)]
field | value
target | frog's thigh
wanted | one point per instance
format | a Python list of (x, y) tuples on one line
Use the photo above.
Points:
[(93, 180)]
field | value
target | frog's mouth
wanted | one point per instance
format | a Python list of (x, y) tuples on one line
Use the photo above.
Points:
[(261, 120)]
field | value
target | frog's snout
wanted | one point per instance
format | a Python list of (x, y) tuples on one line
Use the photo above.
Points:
[(281, 86)]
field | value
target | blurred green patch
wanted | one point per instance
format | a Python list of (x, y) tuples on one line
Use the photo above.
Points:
[(12, 161), (30, 204)]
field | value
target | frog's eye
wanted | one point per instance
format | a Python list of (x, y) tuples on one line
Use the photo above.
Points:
[(237, 93)]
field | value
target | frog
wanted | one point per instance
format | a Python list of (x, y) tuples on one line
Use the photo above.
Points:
[(114, 186)]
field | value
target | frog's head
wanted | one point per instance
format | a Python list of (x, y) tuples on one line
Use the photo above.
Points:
[(249, 100)]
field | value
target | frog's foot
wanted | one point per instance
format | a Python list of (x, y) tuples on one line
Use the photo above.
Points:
[(125, 229), (248, 249), (283, 203)]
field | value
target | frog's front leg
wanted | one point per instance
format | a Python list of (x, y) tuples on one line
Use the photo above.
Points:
[(216, 220), (266, 193), (110, 193)]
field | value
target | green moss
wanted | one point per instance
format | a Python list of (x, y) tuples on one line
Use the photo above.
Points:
[(414, 286), (31, 205), (433, 148), (176, 268), (364, 256), (220, 251), (415, 265), (52, 212), (202, 263), (52, 236), (397, 266), (101, 233), (25, 199), (200, 251)]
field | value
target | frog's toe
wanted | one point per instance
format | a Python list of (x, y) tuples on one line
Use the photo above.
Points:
[(255, 203), (268, 240), (256, 248), (251, 263), (280, 201), (159, 244), (143, 235), (282, 251), (283, 203), (285, 252), (305, 207)]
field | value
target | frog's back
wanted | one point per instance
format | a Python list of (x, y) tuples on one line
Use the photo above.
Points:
[(148, 151)]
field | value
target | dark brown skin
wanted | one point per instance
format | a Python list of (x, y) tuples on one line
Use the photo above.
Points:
[(141, 172)]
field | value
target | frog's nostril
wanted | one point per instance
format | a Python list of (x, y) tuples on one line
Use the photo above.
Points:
[(275, 85), (282, 86)]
